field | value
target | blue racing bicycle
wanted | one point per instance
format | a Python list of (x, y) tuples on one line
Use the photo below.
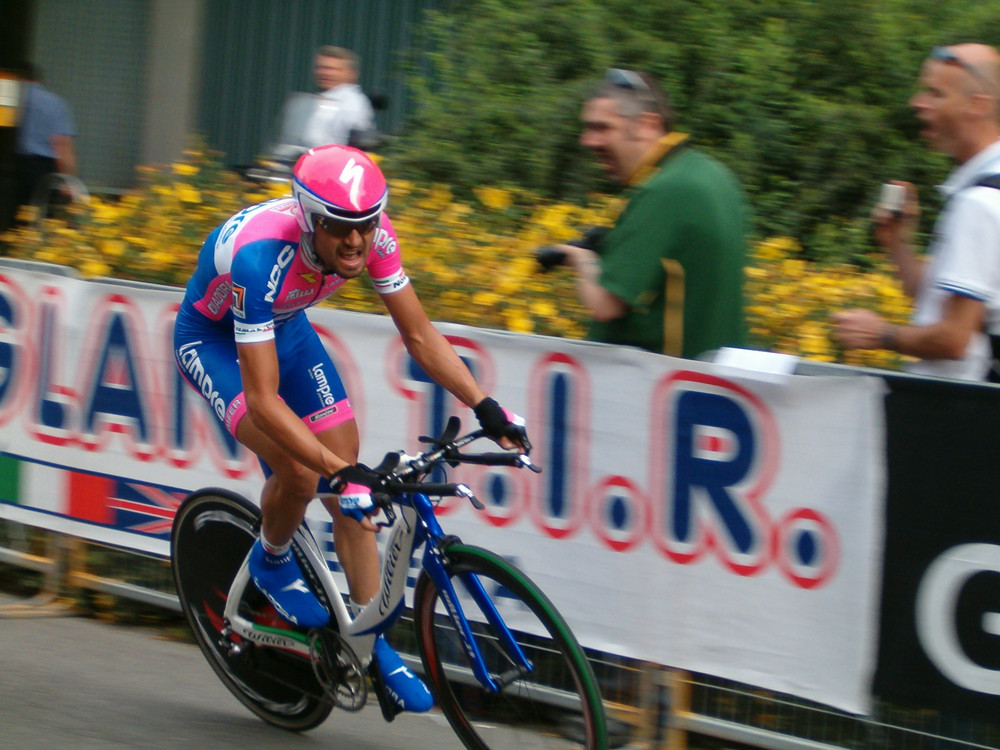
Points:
[(500, 660)]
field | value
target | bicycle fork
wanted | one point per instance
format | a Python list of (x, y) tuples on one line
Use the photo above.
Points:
[(434, 564)]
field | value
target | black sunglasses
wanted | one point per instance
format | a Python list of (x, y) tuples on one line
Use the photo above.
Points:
[(340, 229), (945, 55)]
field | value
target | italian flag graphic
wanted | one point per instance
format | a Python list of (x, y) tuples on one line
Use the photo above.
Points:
[(85, 497)]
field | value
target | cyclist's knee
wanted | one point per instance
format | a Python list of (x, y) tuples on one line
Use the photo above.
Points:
[(344, 527), (296, 483)]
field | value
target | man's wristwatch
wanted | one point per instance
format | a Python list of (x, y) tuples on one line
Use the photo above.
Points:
[(887, 338)]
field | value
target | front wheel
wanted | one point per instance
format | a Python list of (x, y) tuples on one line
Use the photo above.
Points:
[(556, 705), (212, 533)]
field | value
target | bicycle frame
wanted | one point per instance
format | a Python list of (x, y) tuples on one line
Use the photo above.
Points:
[(415, 524)]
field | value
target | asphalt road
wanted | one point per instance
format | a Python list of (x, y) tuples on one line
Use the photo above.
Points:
[(71, 682)]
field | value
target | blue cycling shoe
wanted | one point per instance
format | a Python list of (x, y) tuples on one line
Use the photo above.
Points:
[(280, 579), (406, 689)]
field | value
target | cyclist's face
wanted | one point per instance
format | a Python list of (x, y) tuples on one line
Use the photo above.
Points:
[(344, 254)]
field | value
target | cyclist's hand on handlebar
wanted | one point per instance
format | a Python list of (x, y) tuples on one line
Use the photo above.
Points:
[(503, 426), (356, 502), (354, 485)]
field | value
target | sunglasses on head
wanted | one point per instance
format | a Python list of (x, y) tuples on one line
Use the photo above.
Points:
[(340, 228), (945, 55), (628, 79), (631, 81)]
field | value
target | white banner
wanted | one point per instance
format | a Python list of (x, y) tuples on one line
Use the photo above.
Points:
[(688, 514)]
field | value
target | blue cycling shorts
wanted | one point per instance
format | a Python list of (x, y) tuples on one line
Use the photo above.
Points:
[(309, 383)]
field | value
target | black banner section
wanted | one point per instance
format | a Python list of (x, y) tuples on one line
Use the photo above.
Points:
[(939, 644)]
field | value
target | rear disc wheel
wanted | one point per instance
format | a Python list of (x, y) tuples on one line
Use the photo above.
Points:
[(212, 534)]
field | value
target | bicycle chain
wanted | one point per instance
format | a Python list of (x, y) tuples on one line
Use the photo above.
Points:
[(337, 669)]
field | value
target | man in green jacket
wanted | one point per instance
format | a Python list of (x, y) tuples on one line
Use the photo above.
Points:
[(668, 277)]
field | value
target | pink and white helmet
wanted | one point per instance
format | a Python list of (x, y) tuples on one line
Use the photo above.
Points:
[(338, 182)]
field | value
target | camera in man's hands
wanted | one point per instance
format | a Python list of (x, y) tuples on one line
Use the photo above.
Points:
[(892, 199), (591, 239), (550, 256)]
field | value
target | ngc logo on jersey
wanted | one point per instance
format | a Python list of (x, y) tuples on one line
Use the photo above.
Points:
[(323, 389), (274, 280), (384, 243)]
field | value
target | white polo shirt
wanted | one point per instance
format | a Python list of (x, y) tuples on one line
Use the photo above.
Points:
[(338, 111), (965, 259)]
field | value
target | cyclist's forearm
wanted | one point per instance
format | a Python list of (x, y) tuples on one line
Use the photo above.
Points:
[(430, 348), (273, 417), (436, 356)]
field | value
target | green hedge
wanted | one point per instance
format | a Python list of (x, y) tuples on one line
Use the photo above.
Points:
[(807, 100)]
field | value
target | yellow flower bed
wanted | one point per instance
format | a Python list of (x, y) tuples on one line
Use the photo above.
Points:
[(789, 302), (471, 261)]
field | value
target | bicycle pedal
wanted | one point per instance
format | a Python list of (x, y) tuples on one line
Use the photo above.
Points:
[(231, 648), (385, 701)]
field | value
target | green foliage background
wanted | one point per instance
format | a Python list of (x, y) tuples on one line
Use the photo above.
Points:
[(806, 100)]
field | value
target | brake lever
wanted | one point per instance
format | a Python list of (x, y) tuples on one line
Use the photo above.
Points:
[(383, 502), (463, 490), (525, 461)]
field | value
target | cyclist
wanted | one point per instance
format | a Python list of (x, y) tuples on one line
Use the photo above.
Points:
[(243, 341)]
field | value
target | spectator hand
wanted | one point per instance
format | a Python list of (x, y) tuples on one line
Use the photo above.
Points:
[(859, 329), (550, 256), (503, 426), (895, 228)]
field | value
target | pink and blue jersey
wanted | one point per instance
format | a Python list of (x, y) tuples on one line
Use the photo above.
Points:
[(256, 276), (254, 273)]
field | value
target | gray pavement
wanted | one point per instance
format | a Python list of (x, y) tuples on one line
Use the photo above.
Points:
[(71, 682)]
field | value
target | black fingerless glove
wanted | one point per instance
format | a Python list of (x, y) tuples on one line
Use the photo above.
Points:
[(356, 474), (498, 423)]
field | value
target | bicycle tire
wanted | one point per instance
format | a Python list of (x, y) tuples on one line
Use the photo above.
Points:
[(211, 535), (562, 692)]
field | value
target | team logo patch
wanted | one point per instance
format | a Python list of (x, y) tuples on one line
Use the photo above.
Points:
[(322, 414), (239, 300)]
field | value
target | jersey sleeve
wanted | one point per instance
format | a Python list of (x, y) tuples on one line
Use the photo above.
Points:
[(385, 267), (255, 275)]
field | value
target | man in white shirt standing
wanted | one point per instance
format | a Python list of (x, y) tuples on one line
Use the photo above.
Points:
[(340, 113), (957, 288)]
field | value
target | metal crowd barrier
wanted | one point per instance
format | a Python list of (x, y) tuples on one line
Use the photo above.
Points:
[(653, 707)]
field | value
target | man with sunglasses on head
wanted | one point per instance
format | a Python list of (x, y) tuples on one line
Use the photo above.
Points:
[(668, 277), (243, 341), (957, 289)]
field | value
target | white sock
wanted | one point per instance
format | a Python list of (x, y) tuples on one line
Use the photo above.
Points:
[(355, 608), (274, 549)]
